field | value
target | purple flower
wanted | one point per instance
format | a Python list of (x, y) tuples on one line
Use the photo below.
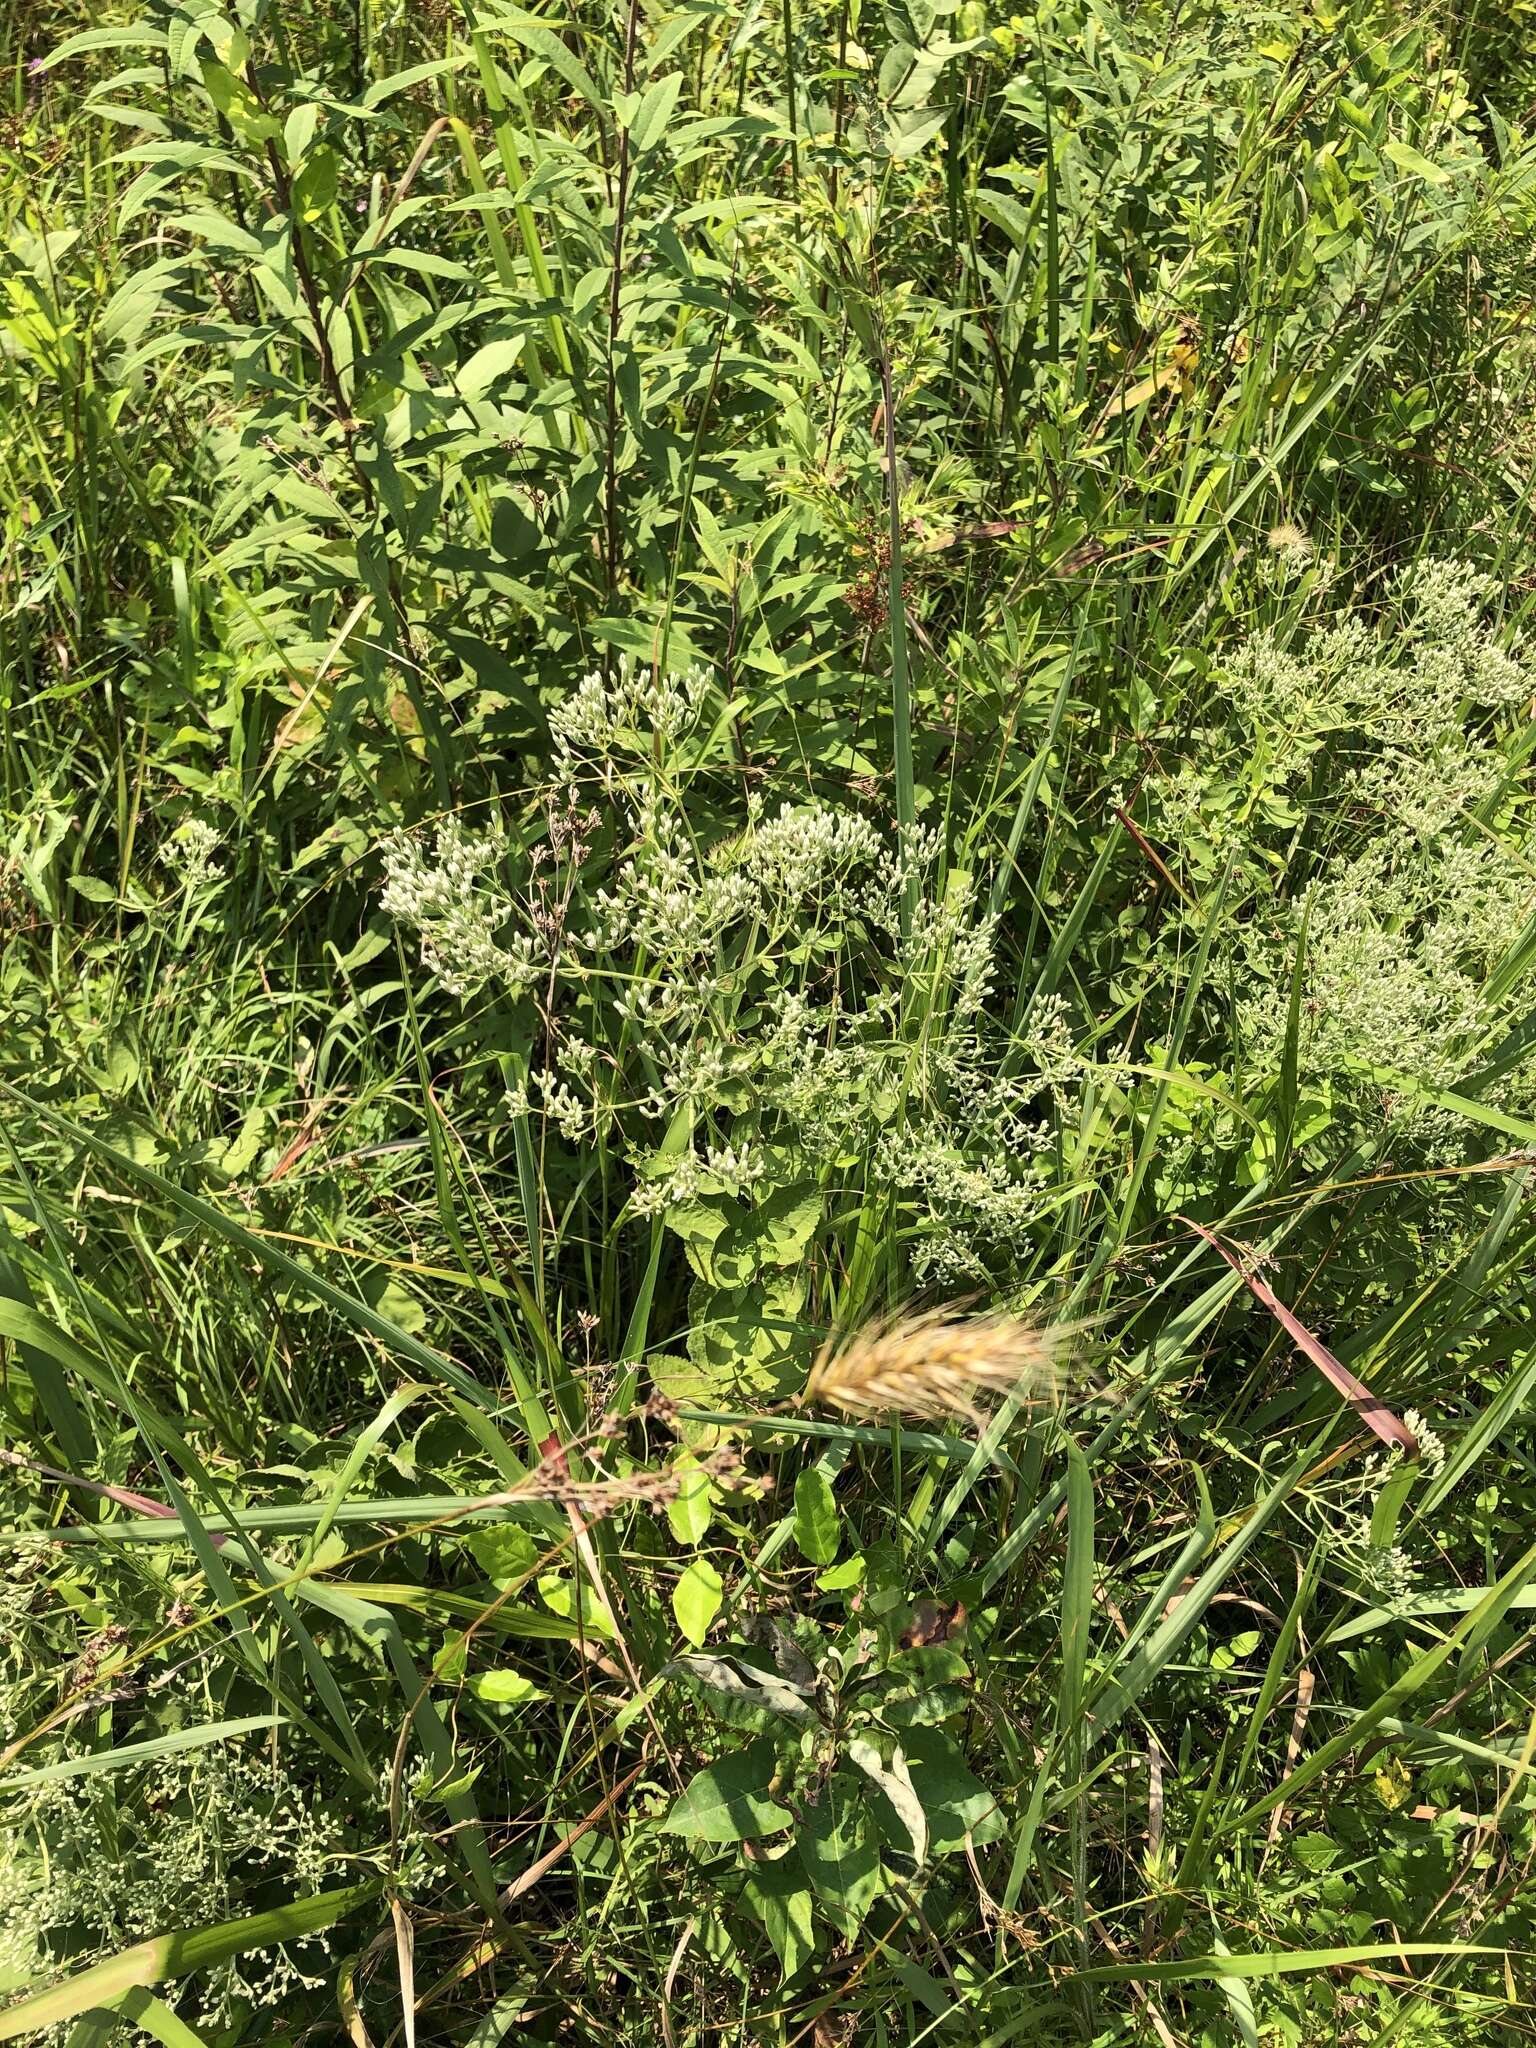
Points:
[(37, 67)]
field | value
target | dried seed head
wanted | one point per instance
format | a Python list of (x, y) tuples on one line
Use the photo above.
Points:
[(1290, 542), (933, 1366)]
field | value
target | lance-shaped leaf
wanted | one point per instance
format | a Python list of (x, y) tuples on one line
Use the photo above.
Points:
[(894, 1781), (768, 1691), (1373, 1413)]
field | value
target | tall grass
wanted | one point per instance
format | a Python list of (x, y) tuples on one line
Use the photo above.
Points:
[(674, 682)]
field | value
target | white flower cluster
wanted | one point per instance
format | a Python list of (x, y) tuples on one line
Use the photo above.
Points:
[(676, 903), (1431, 1459), (696, 1071), (719, 1169), (222, 1823), (636, 709), (1402, 942), (1431, 1447), (975, 1205), (1458, 660), (190, 853), (664, 902), (1431, 793), (948, 937), (570, 1111), (1385, 1572), (1418, 910), (708, 977), (828, 1080), (1409, 688), (456, 906), (800, 850)]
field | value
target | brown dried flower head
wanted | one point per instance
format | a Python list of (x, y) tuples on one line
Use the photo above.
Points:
[(934, 1366)]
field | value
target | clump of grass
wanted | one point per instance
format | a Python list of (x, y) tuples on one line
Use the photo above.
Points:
[(1040, 535)]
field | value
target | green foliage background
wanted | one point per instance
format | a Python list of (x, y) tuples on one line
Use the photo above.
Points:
[(671, 677)]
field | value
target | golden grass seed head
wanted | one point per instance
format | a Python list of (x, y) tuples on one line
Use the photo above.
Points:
[(936, 1366)]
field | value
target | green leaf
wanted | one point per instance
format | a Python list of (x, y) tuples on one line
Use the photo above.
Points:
[(559, 1597), (1407, 158), (155, 2018), (1005, 212), (958, 1806), (654, 111), (692, 1386), (314, 189), (1315, 1852), (913, 135), (46, 1362), (1275, 1962), (776, 1893), (503, 1688), (919, 1709), (691, 1508), (838, 1847), (243, 1150), (534, 35), (839, 1577), (128, 1753), (139, 37), (504, 1552), (93, 889), (696, 1599), (748, 1339), (729, 1801), (699, 1222), (384, 89), (817, 1528), (239, 105), (1076, 1592), (299, 132), (489, 365), (383, 1292), (778, 1232)]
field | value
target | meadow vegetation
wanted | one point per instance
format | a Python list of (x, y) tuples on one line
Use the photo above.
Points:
[(679, 680)]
